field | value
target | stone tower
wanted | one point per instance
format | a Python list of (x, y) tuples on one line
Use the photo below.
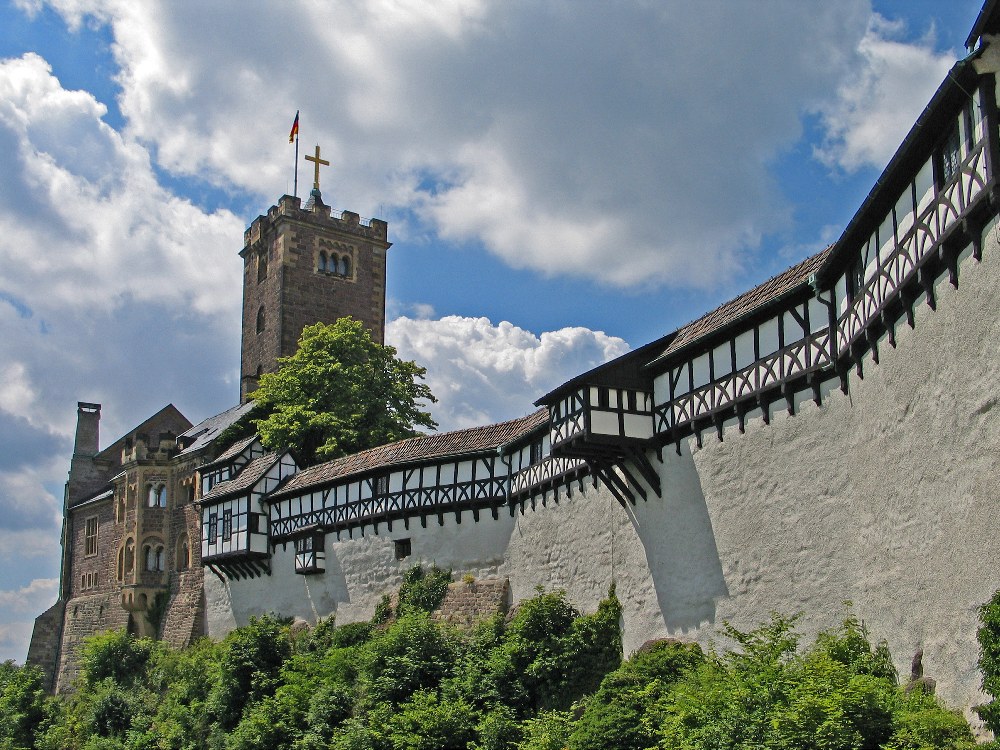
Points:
[(304, 265)]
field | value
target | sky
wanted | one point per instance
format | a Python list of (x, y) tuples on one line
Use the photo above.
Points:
[(562, 181)]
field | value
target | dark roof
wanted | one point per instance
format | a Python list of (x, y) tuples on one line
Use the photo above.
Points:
[(987, 22), (912, 153), (246, 479), (166, 419), (416, 450), (231, 452), (207, 430), (732, 312)]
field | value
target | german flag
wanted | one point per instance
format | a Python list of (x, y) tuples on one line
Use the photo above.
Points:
[(295, 128)]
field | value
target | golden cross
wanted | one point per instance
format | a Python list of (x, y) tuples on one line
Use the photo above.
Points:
[(317, 161)]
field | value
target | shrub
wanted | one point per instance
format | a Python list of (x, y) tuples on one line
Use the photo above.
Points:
[(988, 636)]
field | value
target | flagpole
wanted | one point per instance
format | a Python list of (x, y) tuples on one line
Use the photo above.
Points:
[(296, 183)]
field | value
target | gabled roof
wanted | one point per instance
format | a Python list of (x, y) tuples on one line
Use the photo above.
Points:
[(246, 479), (731, 313), (231, 452), (203, 433), (987, 22), (166, 419), (627, 371), (416, 450)]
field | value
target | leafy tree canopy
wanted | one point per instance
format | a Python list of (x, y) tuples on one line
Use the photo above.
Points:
[(340, 393)]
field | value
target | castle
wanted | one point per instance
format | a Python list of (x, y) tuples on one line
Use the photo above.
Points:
[(826, 436)]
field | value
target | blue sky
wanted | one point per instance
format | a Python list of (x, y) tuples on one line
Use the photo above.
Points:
[(560, 183)]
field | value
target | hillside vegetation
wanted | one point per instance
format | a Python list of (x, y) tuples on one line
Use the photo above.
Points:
[(547, 678)]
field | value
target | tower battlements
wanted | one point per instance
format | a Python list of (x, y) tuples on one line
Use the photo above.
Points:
[(314, 213)]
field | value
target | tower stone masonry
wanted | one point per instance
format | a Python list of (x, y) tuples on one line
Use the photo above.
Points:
[(304, 265)]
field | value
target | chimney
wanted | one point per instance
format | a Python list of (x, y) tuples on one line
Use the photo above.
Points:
[(88, 419)]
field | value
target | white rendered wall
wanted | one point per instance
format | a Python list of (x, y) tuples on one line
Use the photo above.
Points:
[(886, 497)]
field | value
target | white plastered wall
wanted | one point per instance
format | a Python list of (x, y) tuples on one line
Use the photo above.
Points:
[(885, 497)]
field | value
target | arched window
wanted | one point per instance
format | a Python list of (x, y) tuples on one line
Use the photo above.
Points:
[(159, 559), (183, 553), (345, 265), (147, 555), (161, 496), (321, 266), (129, 566), (261, 266), (260, 319), (151, 496)]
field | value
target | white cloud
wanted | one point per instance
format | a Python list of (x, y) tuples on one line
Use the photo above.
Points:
[(483, 373), (31, 599), (631, 147), (14, 640), (877, 105)]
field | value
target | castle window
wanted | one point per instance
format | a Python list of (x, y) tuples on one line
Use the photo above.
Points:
[(90, 537), (535, 453), (321, 266), (157, 496), (402, 548), (260, 319), (227, 525), (153, 555), (261, 266), (213, 527), (128, 565), (183, 553)]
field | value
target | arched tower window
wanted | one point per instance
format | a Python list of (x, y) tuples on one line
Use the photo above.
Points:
[(261, 266), (260, 319), (161, 496), (151, 496), (321, 266), (183, 553), (128, 558), (345, 265)]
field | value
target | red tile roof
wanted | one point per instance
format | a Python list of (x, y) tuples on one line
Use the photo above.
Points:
[(414, 450)]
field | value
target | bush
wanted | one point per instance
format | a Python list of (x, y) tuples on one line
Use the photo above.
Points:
[(422, 592), (117, 656), (22, 705), (616, 715), (988, 636), (251, 661)]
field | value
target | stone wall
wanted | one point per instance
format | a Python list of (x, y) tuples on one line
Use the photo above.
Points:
[(46, 637), (467, 603), (185, 616), (85, 616)]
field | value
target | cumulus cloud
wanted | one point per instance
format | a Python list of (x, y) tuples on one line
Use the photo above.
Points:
[(482, 373), (18, 608), (876, 106), (562, 138)]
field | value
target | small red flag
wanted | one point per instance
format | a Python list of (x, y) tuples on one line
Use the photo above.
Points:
[(295, 128)]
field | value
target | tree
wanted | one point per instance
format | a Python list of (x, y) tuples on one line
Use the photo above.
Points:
[(340, 393)]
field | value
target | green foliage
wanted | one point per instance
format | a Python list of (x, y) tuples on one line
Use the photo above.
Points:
[(614, 716), (549, 730), (340, 393), (555, 654), (250, 665), (921, 723), (22, 705), (547, 679), (426, 722), (414, 653), (988, 636), (422, 592), (117, 656)]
